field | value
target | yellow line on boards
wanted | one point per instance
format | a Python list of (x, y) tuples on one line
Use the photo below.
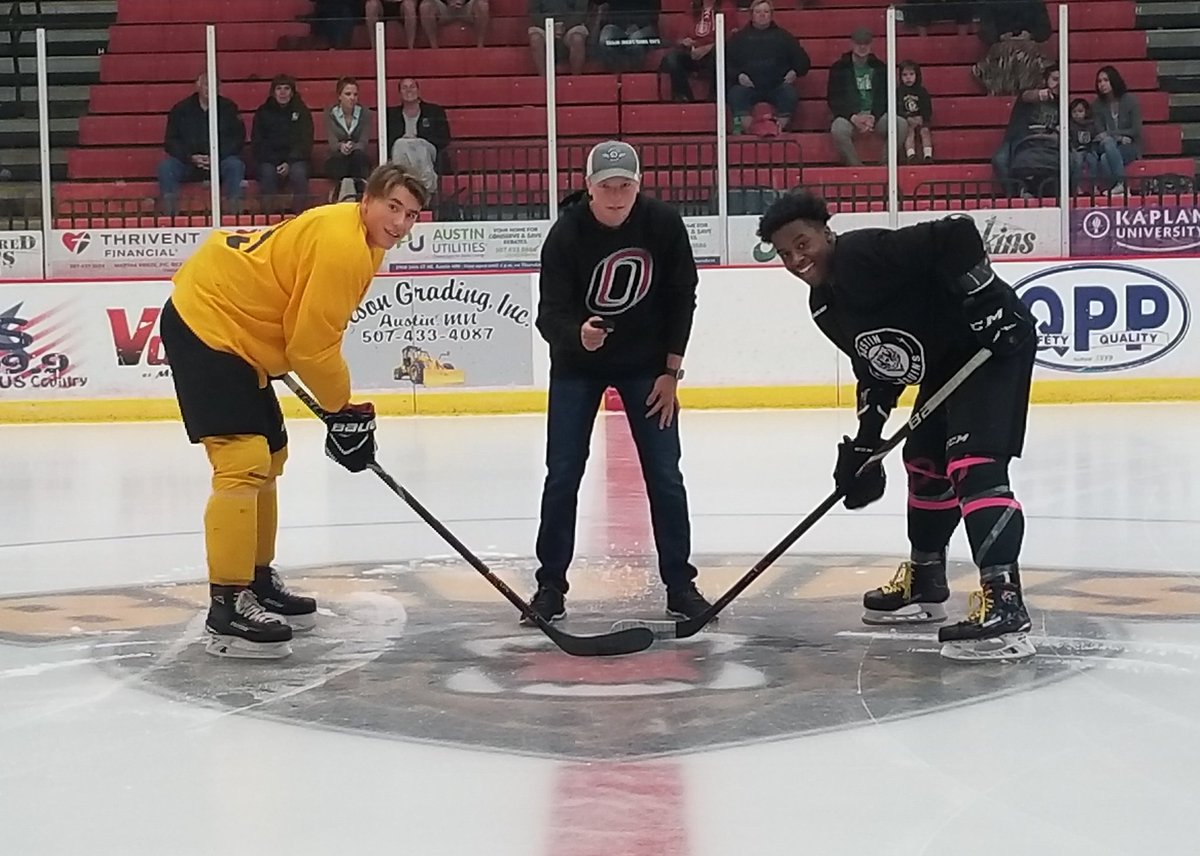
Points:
[(534, 401)]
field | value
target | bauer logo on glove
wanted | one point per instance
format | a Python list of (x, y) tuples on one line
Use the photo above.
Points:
[(351, 436)]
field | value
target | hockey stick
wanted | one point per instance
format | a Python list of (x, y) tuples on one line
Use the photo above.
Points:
[(692, 626), (627, 641)]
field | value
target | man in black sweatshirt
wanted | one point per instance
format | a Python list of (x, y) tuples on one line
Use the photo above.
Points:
[(763, 64), (618, 292), (186, 144)]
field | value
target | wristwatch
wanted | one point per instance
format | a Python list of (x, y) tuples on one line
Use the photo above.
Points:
[(675, 373)]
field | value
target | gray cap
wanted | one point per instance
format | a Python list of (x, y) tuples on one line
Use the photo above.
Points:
[(613, 159), (862, 36)]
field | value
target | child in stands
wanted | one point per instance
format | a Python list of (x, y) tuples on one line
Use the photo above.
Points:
[(1085, 154), (916, 108)]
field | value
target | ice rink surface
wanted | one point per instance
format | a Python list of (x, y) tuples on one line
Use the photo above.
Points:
[(419, 719)]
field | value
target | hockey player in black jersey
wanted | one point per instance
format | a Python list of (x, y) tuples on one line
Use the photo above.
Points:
[(909, 307), (617, 296)]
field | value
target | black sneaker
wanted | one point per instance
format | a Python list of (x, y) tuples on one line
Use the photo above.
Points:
[(995, 628), (298, 611), (549, 603), (238, 626), (686, 602)]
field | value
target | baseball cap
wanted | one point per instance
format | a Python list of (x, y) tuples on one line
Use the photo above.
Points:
[(613, 159), (862, 36)]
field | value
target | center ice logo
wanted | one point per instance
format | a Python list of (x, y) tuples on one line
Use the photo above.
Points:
[(1101, 317)]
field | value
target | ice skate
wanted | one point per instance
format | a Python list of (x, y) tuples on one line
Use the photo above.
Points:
[(996, 627), (300, 612), (239, 627), (914, 595)]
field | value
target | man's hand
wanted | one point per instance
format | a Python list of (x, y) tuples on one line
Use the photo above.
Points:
[(859, 121), (346, 147), (282, 169), (200, 161), (662, 400), (744, 80), (790, 77), (688, 42), (592, 334)]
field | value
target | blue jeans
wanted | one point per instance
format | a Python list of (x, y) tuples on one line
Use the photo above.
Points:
[(173, 172), (782, 97), (297, 180), (1113, 157), (1001, 165), (574, 402)]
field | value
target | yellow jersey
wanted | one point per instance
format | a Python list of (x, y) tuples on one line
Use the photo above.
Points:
[(281, 297)]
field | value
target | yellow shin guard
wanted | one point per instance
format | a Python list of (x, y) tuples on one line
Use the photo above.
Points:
[(268, 511), (241, 466)]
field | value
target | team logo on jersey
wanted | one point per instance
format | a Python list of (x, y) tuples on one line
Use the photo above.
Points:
[(620, 281), (894, 355)]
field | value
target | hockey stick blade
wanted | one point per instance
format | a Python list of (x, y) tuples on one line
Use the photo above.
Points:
[(628, 641), (692, 626)]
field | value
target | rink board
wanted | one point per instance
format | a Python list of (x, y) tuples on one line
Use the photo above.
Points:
[(465, 342)]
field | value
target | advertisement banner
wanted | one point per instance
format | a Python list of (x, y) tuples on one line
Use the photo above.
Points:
[(440, 246), (1148, 228), (80, 340), (21, 255), (705, 234), (1009, 234), (108, 253), (458, 331), (1101, 317), (745, 248)]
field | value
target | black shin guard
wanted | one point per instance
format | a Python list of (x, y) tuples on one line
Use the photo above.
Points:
[(994, 520), (933, 510)]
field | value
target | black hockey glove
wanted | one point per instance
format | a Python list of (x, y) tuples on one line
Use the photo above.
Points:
[(351, 436), (862, 490), (997, 317), (997, 321)]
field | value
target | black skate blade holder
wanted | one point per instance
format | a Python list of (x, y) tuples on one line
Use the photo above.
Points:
[(613, 643), (666, 629)]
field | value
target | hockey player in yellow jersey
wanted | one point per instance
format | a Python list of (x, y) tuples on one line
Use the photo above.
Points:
[(246, 308)]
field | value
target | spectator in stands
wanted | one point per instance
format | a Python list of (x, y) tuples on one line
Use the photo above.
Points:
[(694, 54), (1012, 30), (857, 97), (1119, 122), (922, 13), (419, 135), (570, 32), (763, 63), (916, 108), (404, 11), (1028, 156), (332, 21), (282, 141), (1085, 159), (186, 143), (434, 13), (348, 129), (628, 31)]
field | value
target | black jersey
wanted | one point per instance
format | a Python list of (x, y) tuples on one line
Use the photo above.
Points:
[(892, 305), (641, 276)]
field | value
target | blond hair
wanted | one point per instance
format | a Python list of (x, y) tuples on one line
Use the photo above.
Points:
[(388, 176)]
